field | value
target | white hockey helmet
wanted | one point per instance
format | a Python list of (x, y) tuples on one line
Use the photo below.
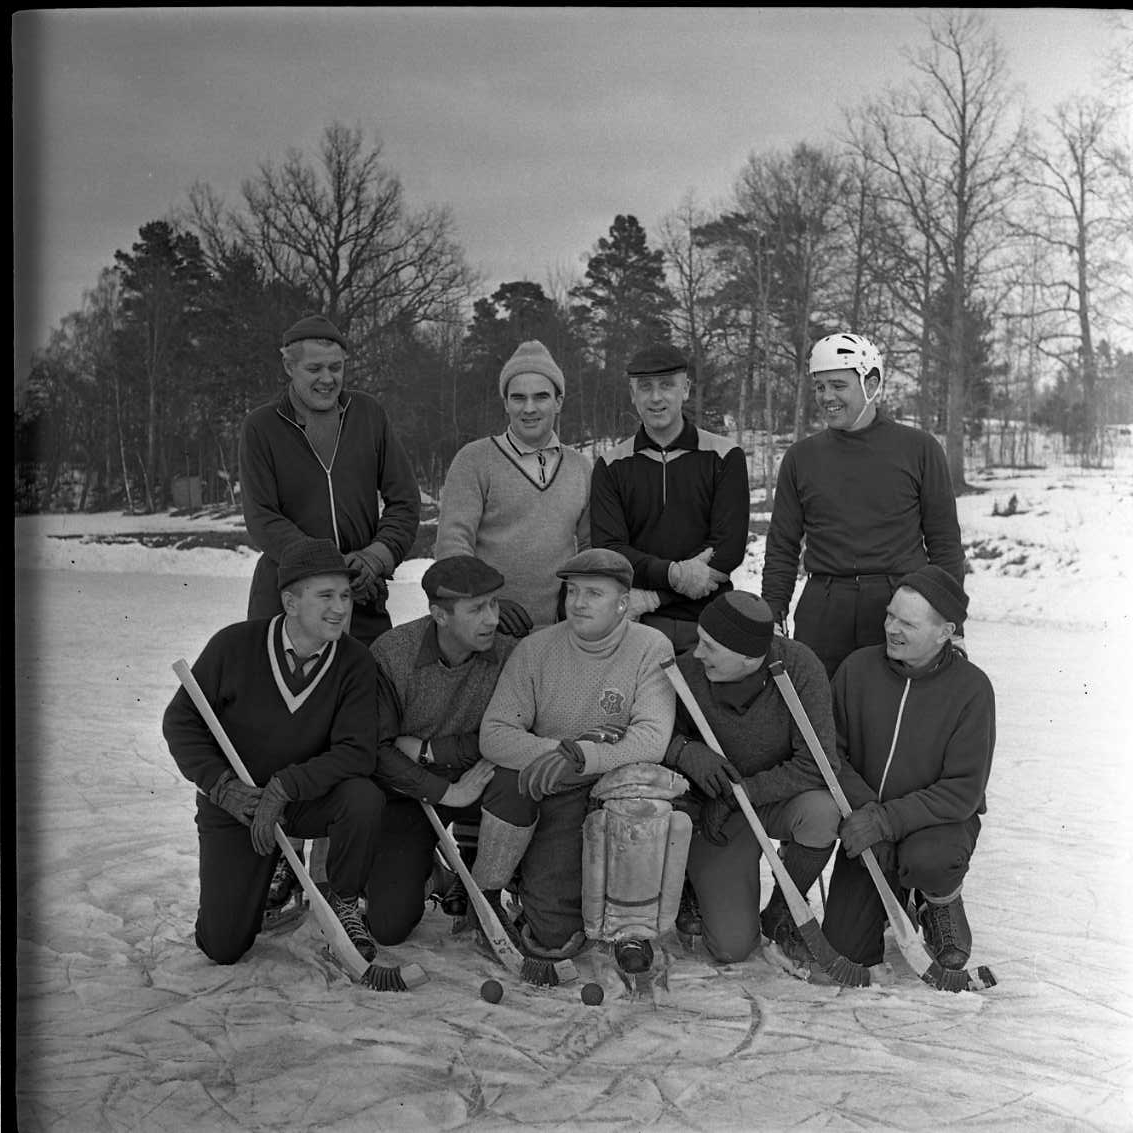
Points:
[(848, 352)]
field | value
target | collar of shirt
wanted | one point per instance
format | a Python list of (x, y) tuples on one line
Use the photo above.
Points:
[(553, 444), (687, 440), (430, 650), (293, 653)]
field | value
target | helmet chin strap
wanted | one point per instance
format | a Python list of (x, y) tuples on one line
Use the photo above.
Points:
[(868, 402)]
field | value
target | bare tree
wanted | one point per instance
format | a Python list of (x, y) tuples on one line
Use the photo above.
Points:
[(947, 147)]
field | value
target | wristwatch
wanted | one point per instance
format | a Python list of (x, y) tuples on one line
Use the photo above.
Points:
[(425, 756)]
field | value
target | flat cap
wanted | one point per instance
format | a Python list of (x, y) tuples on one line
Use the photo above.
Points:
[(940, 590), (315, 326), (460, 576), (599, 561), (307, 557), (656, 360)]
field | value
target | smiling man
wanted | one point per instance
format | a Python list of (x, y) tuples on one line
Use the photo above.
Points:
[(520, 500), (673, 499), (871, 498), (916, 732), (295, 695)]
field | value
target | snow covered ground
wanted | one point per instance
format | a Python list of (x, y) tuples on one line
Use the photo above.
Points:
[(122, 1024)]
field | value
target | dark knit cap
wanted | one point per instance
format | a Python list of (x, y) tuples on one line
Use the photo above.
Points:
[(739, 621), (460, 576), (942, 592), (602, 562), (656, 360), (308, 557), (314, 326)]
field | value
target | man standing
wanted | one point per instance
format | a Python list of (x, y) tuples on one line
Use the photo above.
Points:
[(520, 501), (324, 463), (575, 700), (295, 695), (673, 499), (436, 675), (768, 757), (916, 732), (873, 500)]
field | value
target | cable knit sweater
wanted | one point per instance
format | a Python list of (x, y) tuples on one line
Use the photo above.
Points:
[(493, 510), (555, 686)]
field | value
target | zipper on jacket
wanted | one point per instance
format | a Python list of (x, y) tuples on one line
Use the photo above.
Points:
[(325, 467), (896, 732)]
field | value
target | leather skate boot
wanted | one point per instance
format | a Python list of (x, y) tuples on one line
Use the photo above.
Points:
[(689, 922), (946, 932)]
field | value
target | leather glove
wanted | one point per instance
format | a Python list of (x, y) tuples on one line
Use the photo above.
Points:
[(886, 854), (642, 602), (866, 826), (693, 577), (234, 796), (712, 773), (515, 621), (603, 734), (370, 585), (554, 771), (713, 815), (270, 811)]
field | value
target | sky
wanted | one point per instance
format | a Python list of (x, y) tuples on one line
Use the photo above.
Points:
[(534, 126)]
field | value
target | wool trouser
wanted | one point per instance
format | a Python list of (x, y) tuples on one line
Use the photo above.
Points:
[(501, 797), (403, 864), (933, 860), (234, 879), (837, 615), (681, 632), (726, 878)]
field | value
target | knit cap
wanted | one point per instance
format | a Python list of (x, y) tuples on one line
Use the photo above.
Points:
[(942, 592), (307, 557), (314, 326), (739, 621), (532, 358)]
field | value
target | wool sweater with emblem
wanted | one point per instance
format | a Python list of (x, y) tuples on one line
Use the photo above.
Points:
[(875, 501), (311, 733), (420, 695), (658, 505), (922, 743), (555, 686), (754, 725), (491, 508)]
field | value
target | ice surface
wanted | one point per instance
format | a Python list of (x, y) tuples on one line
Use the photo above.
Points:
[(123, 1025)]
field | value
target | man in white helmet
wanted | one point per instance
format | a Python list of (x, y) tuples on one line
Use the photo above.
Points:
[(872, 499)]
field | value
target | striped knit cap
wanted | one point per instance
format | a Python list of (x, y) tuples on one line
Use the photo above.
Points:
[(739, 621)]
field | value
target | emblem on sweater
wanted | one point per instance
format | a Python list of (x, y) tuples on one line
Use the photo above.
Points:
[(612, 701)]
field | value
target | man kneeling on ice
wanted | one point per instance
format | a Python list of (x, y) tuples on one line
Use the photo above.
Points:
[(769, 759), (916, 731), (296, 696), (575, 701)]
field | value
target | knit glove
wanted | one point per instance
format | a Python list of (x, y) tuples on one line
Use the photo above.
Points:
[(270, 811), (712, 773), (369, 585), (693, 577), (713, 815), (515, 621), (642, 602), (234, 796), (554, 771), (865, 827), (603, 734)]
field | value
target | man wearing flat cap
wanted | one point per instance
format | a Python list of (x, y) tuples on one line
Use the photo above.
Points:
[(574, 701), (322, 462), (916, 731), (765, 753), (520, 500), (295, 694), (436, 675), (674, 499)]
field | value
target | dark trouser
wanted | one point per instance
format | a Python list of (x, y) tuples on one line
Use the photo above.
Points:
[(402, 865), (501, 797), (680, 632), (726, 878), (235, 879), (933, 860), (837, 615)]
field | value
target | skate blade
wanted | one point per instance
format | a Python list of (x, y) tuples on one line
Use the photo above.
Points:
[(779, 959), (284, 917)]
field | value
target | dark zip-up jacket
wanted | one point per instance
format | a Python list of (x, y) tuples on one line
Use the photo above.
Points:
[(922, 744), (367, 498), (660, 505)]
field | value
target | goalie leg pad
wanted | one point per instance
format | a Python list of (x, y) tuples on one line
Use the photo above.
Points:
[(634, 855)]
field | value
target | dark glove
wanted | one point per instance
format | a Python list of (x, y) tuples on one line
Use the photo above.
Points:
[(554, 771), (713, 815), (865, 827), (886, 855), (712, 773), (604, 733), (270, 811), (515, 621), (234, 796), (369, 585)]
